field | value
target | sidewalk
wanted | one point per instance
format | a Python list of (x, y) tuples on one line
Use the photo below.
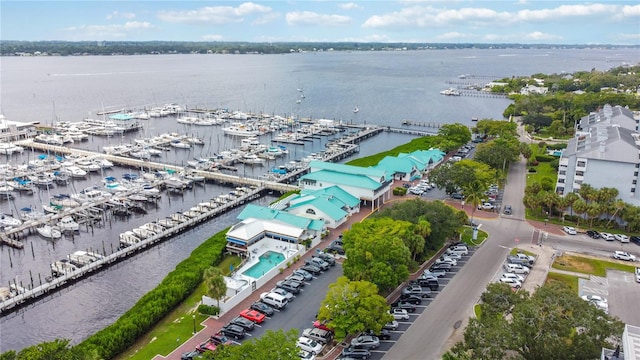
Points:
[(213, 325)]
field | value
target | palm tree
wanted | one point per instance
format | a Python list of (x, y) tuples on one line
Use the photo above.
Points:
[(593, 210), (474, 194), (580, 207), (571, 199), (214, 281), (588, 193), (562, 203), (618, 205)]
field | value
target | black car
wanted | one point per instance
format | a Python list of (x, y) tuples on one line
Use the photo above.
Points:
[(635, 239), (291, 286), (326, 257), (219, 339), (508, 210), (430, 281), (233, 331), (441, 266), (311, 268), (384, 334), (457, 196), (410, 298), (356, 352), (191, 355), (335, 249), (244, 323), (263, 308), (593, 234), (401, 304)]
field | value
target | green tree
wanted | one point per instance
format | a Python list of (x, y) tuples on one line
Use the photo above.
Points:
[(571, 199), (271, 345), (461, 174), (525, 150), (58, 349), (537, 327), (580, 207), (453, 136), (351, 307), (214, 281), (473, 195), (498, 153), (376, 251)]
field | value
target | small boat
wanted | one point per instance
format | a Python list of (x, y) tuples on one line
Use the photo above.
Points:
[(143, 233), (252, 159), (9, 221), (474, 119), (52, 208), (82, 258), (191, 214), (355, 109), (68, 224), (49, 232), (180, 145), (179, 218), (137, 197), (75, 172), (167, 223), (62, 267), (450, 92), (128, 238), (193, 176), (153, 227)]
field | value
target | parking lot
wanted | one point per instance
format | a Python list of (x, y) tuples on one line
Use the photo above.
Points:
[(620, 290)]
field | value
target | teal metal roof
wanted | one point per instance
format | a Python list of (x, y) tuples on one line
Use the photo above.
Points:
[(121, 117), (322, 204), (265, 213), (349, 169), (337, 178), (392, 165), (335, 194)]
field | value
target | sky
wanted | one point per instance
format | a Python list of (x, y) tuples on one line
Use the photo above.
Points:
[(453, 21)]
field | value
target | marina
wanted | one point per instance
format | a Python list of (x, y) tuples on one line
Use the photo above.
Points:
[(122, 197)]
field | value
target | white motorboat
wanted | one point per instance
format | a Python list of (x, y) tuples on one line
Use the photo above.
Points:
[(193, 176), (143, 233), (167, 223), (450, 92), (240, 130), (128, 238), (252, 159), (81, 258), (75, 172), (191, 214), (68, 224), (180, 144), (137, 197), (179, 218), (355, 109), (112, 185), (62, 267), (9, 221), (49, 232), (153, 227)]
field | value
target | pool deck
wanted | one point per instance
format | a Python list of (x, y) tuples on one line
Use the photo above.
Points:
[(213, 325)]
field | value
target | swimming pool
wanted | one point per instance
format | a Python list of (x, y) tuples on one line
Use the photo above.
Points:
[(266, 262)]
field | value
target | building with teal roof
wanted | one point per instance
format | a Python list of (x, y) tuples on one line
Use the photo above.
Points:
[(331, 205), (367, 184)]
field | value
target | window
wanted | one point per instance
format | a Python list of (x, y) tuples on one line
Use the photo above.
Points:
[(579, 173), (562, 172), (561, 181), (582, 163), (311, 211)]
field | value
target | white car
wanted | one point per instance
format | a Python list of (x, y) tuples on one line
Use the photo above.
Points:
[(622, 255), (569, 230), (513, 276), (486, 206), (511, 282), (593, 298), (306, 355), (516, 268), (598, 301), (400, 314), (638, 274), (309, 345), (607, 236), (453, 255), (446, 259), (622, 238)]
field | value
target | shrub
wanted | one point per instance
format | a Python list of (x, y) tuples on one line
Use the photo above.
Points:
[(208, 310), (558, 146), (572, 218), (555, 164), (399, 191), (545, 158)]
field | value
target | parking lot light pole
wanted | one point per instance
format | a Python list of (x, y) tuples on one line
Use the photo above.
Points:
[(194, 324)]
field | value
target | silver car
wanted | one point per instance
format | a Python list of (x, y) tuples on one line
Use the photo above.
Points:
[(366, 341)]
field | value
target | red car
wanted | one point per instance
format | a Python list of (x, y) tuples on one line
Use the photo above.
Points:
[(321, 325), (206, 346), (253, 315)]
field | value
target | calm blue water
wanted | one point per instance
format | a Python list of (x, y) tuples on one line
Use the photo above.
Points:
[(387, 87), (266, 262)]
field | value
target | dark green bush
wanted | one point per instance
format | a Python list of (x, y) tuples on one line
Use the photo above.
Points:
[(399, 191), (559, 146), (545, 158), (208, 310)]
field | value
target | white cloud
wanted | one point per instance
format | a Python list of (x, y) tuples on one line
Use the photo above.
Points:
[(540, 36), (567, 11), (214, 14), (266, 18), (535, 36), (117, 14), (632, 36), (212, 37), (454, 35), (110, 31), (349, 6), (313, 18)]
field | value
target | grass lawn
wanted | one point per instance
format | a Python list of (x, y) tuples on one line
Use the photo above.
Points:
[(477, 310), (467, 234), (569, 280), (176, 327), (586, 265)]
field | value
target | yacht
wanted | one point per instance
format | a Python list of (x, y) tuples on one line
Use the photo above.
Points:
[(81, 258), (450, 92), (153, 227), (180, 144), (68, 224), (49, 232), (143, 233), (62, 267), (75, 172), (9, 221), (179, 218), (240, 130), (112, 185), (252, 159), (167, 223), (128, 238)]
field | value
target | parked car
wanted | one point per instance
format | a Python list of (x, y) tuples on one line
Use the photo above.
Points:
[(416, 290), (410, 298), (486, 206), (291, 286), (321, 325), (638, 274), (366, 341), (436, 273), (191, 355), (512, 259), (593, 298), (511, 282), (453, 254), (525, 257), (233, 331), (304, 273), (309, 345), (635, 240), (401, 304), (516, 268), (246, 324), (204, 347), (569, 230), (384, 334), (442, 267), (296, 277), (607, 236), (306, 355), (355, 352), (289, 296), (593, 234), (457, 196), (220, 339), (263, 308), (428, 281), (319, 335), (622, 238), (253, 316), (461, 249), (400, 314), (622, 255), (447, 259), (311, 269), (597, 301), (335, 249), (317, 262), (507, 210), (513, 276), (392, 326), (326, 257)]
